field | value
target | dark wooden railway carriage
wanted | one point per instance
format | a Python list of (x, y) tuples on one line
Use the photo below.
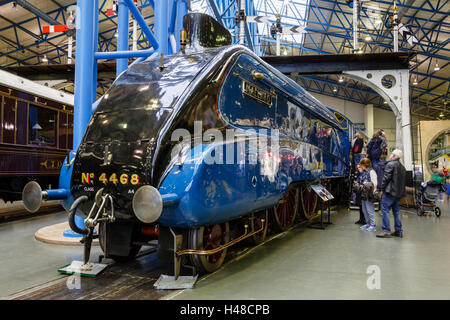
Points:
[(35, 137)]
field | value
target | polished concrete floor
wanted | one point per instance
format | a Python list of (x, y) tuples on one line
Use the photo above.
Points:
[(26, 262), (339, 262), (300, 264)]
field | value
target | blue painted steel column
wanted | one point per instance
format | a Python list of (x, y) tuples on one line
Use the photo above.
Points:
[(84, 82), (162, 25), (122, 40), (172, 24), (84, 67), (94, 79)]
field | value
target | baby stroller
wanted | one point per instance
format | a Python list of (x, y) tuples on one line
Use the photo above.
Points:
[(427, 197)]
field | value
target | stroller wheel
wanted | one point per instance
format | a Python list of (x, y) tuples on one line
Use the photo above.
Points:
[(437, 211)]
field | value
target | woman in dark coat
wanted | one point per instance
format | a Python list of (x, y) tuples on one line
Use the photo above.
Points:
[(374, 149)]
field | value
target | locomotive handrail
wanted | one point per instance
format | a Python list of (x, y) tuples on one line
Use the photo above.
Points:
[(226, 245)]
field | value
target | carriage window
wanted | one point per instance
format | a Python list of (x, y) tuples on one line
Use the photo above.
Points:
[(9, 120), (41, 126), (63, 130), (70, 132)]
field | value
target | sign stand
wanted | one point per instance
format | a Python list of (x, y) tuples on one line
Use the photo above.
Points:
[(324, 196)]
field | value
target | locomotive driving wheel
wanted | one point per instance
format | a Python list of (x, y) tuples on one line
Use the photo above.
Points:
[(285, 210), (309, 202), (208, 238)]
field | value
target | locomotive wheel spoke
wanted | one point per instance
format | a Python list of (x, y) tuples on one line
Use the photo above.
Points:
[(309, 202), (285, 211), (208, 238)]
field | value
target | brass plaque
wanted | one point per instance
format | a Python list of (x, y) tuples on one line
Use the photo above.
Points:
[(257, 93)]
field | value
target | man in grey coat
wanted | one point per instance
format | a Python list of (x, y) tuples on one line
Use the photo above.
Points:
[(393, 188)]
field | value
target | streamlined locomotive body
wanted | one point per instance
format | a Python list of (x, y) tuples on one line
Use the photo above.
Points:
[(201, 142)]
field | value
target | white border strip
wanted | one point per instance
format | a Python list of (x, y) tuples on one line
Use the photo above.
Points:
[(12, 81)]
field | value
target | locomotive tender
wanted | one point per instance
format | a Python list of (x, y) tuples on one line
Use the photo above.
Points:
[(155, 160)]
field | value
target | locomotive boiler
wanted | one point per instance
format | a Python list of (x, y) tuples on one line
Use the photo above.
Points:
[(200, 150)]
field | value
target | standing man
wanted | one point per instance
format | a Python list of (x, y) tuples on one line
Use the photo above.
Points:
[(393, 187), (357, 147), (374, 149)]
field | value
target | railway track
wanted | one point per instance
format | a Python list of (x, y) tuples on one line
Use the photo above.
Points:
[(18, 212), (132, 280)]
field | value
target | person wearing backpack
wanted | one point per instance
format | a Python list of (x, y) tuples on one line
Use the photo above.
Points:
[(374, 150), (384, 143), (380, 170), (367, 187)]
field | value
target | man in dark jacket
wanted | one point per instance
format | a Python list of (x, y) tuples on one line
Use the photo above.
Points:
[(393, 187), (357, 146)]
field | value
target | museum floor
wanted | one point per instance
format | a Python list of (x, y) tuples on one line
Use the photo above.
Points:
[(302, 263), (333, 264)]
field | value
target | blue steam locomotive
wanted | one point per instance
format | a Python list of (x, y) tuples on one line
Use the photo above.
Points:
[(201, 150)]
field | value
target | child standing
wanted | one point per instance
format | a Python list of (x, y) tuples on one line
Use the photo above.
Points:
[(368, 183)]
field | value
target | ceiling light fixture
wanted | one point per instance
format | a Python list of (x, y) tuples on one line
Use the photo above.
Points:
[(368, 38), (436, 68), (415, 83), (341, 79), (44, 59), (15, 9), (334, 89)]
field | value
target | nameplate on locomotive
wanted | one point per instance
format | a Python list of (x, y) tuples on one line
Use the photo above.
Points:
[(257, 93)]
